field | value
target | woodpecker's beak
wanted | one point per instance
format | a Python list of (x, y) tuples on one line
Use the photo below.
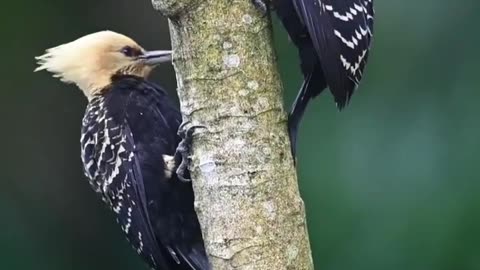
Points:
[(153, 58)]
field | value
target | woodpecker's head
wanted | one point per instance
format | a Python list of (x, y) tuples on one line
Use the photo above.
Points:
[(92, 60)]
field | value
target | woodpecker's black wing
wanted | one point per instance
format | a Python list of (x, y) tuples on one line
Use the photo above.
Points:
[(110, 162), (126, 133), (341, 32)]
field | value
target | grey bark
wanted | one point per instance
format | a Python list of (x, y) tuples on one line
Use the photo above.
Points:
[(246, 191)]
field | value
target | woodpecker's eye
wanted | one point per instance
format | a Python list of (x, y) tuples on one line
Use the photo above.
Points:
[(131, 52)]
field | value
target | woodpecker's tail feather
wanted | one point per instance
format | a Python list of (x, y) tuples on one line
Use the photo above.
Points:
[(296, 113), (313, 84)]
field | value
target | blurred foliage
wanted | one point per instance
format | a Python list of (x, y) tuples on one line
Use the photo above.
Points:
[(390, 183)]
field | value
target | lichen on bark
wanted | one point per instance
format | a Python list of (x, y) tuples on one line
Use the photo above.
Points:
[(246, 191)]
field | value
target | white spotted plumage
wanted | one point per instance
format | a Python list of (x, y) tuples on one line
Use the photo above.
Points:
[(357, 16), (341, 32), (107, 152)]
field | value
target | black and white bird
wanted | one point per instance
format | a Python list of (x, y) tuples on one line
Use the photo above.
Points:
[(333, 38), (128, 145)]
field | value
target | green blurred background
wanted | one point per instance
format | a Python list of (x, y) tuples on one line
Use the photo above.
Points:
[(390, 183)]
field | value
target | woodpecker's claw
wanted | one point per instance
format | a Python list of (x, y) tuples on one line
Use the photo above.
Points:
[(262, 5), (183, 149)]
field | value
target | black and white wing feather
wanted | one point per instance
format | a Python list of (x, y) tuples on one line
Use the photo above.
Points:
[(108, 154), (341, 32)]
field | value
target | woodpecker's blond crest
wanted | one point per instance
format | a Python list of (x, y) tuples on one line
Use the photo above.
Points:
[(92, 60)]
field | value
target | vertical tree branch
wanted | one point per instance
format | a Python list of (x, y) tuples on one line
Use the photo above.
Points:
[(245, 184)]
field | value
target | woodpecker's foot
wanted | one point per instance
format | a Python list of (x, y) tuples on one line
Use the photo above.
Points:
[(262, 5), (184, 148)]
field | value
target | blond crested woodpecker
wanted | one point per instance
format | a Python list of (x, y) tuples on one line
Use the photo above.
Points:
[(128, 145)]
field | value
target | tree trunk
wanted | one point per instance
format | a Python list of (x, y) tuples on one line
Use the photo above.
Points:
[(246, 191)]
